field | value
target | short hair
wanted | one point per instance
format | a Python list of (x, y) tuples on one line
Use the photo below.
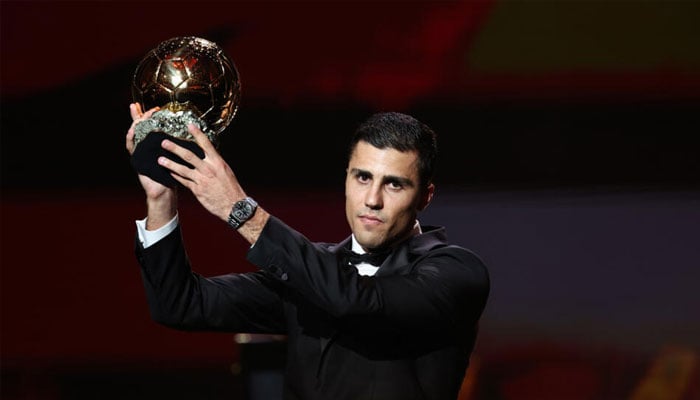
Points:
[(401, 132)]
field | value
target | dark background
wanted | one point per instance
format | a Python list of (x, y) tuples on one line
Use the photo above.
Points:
[(569, 161)]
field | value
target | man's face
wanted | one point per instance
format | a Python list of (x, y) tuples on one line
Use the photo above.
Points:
[(382, 195)]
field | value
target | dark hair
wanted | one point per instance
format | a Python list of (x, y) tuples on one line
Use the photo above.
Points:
[(401, 132)]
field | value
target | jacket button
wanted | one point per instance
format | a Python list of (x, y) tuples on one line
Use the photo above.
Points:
[(284, 276)]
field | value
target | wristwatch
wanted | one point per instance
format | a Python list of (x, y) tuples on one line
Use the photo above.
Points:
[(242, 211)]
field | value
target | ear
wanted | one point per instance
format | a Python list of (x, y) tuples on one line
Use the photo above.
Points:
[(426, 197)]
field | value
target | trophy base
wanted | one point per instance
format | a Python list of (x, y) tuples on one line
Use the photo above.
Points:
[(145, 157)]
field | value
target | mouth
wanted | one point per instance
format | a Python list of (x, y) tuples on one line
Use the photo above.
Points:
[(370, 220)]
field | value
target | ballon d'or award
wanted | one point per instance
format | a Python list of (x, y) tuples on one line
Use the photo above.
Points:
[(192, 81)]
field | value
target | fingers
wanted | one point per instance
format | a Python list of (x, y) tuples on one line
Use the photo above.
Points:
[(137, 115), (199, 166), (201, 139), (181, 173), (130, 140), (185, 154), (135, 111), (185, 182), (149, 113)]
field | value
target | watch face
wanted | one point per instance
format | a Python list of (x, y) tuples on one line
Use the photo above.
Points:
[(243, 210)]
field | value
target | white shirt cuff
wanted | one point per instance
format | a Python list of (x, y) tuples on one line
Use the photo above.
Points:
[(149, 238)]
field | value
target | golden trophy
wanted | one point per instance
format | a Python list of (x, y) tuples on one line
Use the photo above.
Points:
[(192, 81)]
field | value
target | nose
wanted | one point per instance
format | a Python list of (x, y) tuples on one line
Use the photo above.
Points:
[(373, 197)]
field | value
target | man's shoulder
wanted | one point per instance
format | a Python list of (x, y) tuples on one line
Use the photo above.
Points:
[(433, 243), (467, 255)]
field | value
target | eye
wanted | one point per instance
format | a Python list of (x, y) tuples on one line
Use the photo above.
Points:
[(394, 185), (363, 177)]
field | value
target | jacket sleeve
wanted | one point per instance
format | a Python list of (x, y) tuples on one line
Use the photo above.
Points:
[(182, 299), (444, 289)]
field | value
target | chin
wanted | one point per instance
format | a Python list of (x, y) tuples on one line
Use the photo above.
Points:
[(371, 243)]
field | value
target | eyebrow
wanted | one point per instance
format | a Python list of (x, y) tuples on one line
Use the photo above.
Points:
[(386, 179)]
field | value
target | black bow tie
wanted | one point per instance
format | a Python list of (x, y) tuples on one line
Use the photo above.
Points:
[(375, 259)]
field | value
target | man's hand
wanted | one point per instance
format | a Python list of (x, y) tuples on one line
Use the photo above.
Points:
[(152, 188), (211, 179), (161, 200)]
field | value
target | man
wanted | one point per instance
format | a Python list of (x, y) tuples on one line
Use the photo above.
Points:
[(401, 327)]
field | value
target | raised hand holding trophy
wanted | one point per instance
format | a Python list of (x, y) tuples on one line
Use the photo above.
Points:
[(192, 81)]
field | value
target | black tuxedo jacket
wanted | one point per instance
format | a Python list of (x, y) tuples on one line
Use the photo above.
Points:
[(405, 333)]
